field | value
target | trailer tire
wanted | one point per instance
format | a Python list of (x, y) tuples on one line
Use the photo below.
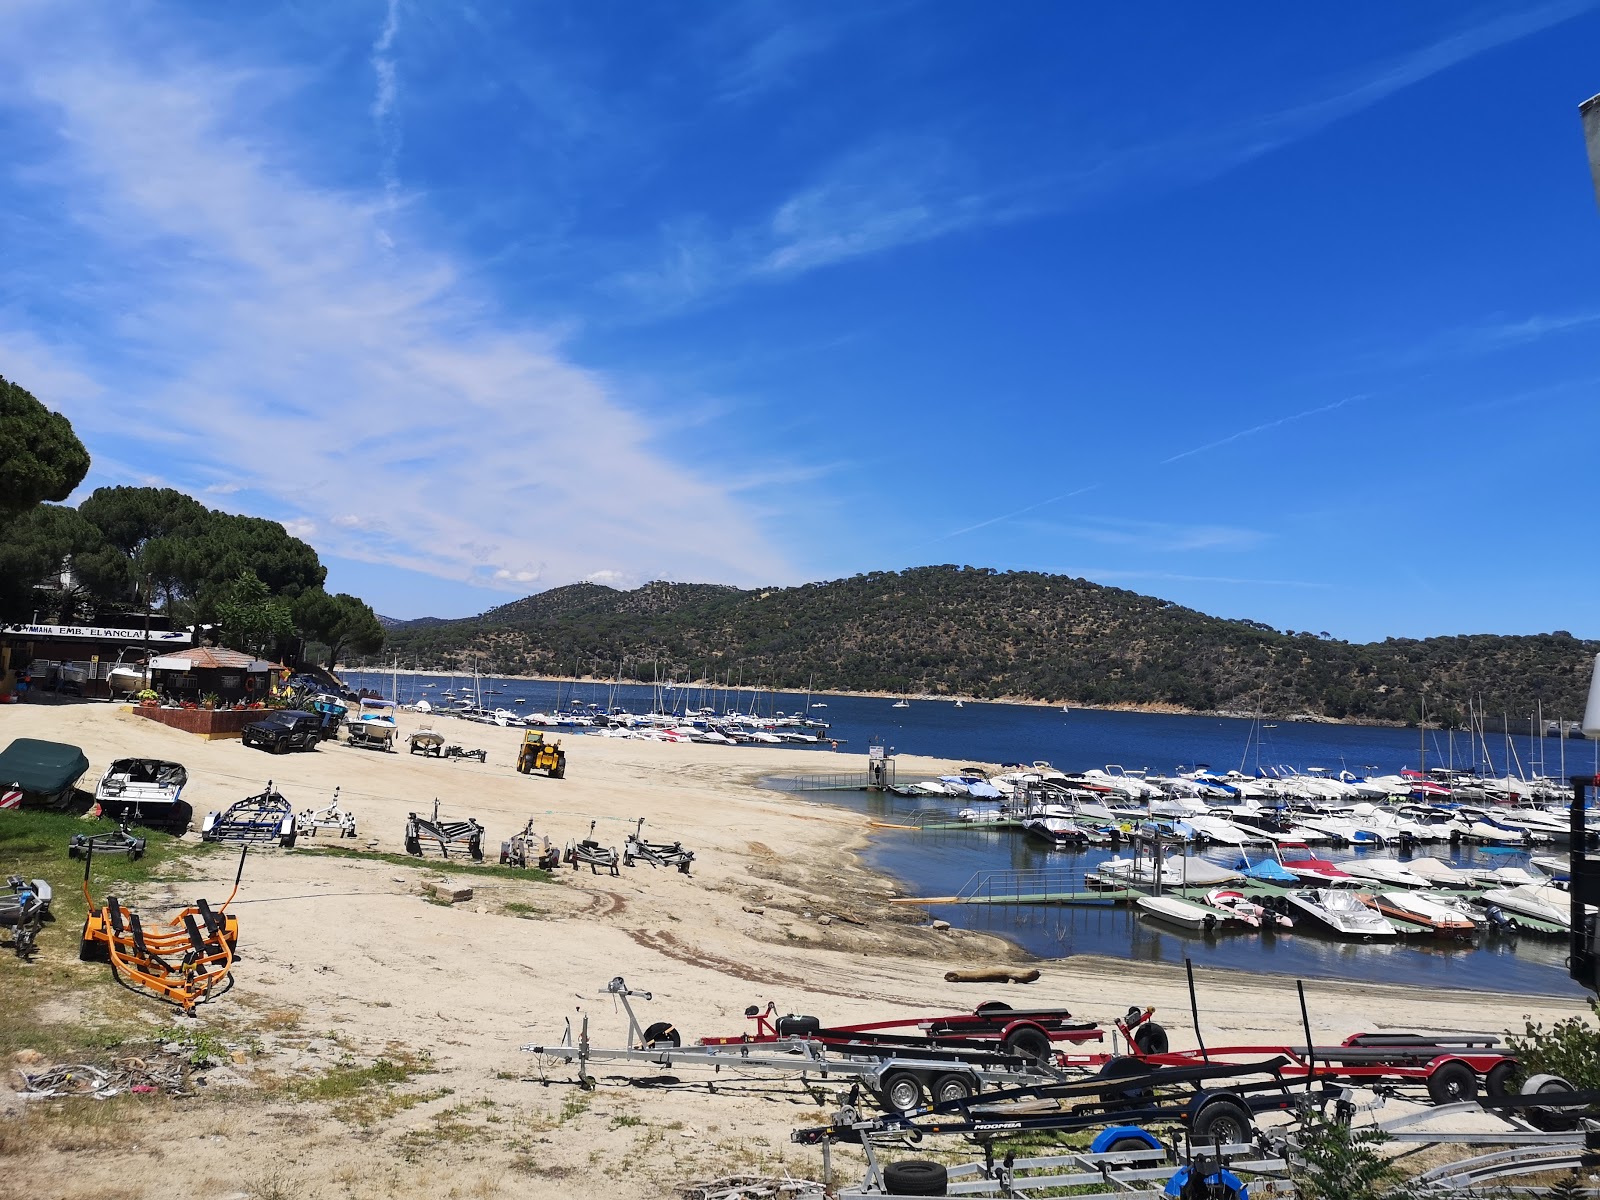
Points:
[(1223, 1120), (901, 1091), (663, 1033), (287, 840), (1123, 1068), (992, 1006), (1151, 1038), (475, 849), (1498, 1081), (91, 950), (1551, 1120), (413, 845), (1028, 1042), (915, 1177), (952, 1085), (1124, 1144), (1453, 1083), (794, 1026)]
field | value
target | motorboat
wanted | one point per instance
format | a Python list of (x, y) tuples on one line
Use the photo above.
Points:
[(1342, 912), (1266, 870), (1184, 913), (1060, 832), (1444, 918), (1509, 877), (1223, 832), (1239, 905), (1384, 870), (374, 723), (901, 704), (1542, 901), (145, 791), (1176, 870), (1307, 867), (1555, 867), (1439, 873)]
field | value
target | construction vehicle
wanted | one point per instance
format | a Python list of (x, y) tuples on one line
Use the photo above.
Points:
[(536, 754)]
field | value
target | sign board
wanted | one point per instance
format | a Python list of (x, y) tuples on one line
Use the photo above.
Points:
[(875, 753), (158, 637)]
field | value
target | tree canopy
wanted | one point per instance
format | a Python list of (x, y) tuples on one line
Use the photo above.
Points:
[(40, 457), (340, 622), (250, 616)]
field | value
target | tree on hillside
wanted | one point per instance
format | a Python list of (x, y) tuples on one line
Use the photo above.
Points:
[(340, 621), (36, 549), (249, 616), (40, 457)]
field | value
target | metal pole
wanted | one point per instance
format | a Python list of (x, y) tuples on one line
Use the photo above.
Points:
[(1194, 1009), (1305, 1022)]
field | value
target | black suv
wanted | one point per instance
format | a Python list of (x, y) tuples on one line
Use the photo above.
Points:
[(287, 729)]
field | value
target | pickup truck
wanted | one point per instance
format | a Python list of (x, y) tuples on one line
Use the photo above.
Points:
[(287, 729)]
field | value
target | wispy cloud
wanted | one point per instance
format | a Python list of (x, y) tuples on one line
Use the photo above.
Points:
[(1006, 516), (1159, 536), (254, 332), (1276, 423), (1491, 336), (384, 97)]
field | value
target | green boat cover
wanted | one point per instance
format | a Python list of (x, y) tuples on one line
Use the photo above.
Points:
[(43, 770)]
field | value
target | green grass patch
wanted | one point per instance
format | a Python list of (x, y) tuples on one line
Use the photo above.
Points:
[(33, 844), (452, 866), (365, 1093)]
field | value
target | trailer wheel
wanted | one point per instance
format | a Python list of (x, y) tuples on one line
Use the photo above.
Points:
[(1551, 1120), (798, 1026), (989, 1006), (1123, 1068), (915, 1177), (1151, 1038), (1498, 1081), (663, 1033), (287, 840), (1453, 1083), (1028, 1042), (91, 950), (475, 848), (952, 1086), (413, 845), (901, 1091), (1124, 1144), (1224, 1121)]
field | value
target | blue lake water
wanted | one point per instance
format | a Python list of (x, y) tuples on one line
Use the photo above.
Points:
[(940, 864)]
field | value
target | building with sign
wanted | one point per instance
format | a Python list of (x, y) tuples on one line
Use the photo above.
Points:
[(78, 658)]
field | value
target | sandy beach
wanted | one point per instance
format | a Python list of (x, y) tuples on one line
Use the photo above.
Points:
[(345, 961)]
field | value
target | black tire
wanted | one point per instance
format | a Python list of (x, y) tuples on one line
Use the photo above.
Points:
[(413, 846), (135, 855), (1123, 1067), (1123, 1144), (475, 849), (1028, 1042), (952, 1086), (915, 1177), (90, 950), (180, 817), (1498, 1082), (74, 852), (1551, 1120), (662, 1033), (901, 1091), (1151, 1038), (287, 840), (1453, 1083), (796, 1026), (1223, 1121)]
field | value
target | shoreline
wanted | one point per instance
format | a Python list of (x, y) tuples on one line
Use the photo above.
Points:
[(1152, 707)]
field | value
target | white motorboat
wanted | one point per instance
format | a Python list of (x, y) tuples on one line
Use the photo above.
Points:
[(901, 704), (1509, 877), (1177, 870), (1182, 912), (1342, 912), (1446, 918), (1384, 870), (374, 724), (144, 790), (1224, 832), (1543, 901), (1439, 873), (1058, 831)]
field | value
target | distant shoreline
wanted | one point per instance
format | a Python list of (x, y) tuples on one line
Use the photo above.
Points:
[(1151, 708)]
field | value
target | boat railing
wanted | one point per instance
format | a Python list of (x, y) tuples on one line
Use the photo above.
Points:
[(1021, 886)]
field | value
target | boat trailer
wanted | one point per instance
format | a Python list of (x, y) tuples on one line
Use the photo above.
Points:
[(24, 905), (427, 742), (463, 753), (443, 833), (657, 854), (119, 841), (255, 820), (592, 852), (181, 962), (530, 848), (331, 817), (893, 1076)]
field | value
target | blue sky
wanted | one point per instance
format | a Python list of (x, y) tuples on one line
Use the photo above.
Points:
[(1277, 313)]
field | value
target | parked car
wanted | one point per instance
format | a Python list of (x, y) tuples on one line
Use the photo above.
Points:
[(287, 729)]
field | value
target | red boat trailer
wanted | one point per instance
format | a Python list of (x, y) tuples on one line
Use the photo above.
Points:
[(1452, 1067), (1029, 1032)]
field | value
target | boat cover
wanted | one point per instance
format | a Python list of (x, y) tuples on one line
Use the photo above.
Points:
[(43, 770), (1267, 871)]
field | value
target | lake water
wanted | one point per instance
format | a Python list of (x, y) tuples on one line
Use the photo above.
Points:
[(940, 864)]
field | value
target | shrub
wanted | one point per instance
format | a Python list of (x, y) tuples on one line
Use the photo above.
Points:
[(1569, 1048)]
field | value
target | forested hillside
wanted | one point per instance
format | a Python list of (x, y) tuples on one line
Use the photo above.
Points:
[(977, 632)]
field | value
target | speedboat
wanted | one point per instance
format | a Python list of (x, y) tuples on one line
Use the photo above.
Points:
[(1247, 910), (1385, 870), (1444, 917), (1543, 901), (1184, 913), (1058, 831), (143, 790), (1342, 912)]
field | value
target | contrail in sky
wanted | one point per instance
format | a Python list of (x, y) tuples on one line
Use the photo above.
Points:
[(1244, 433), (1009, 515)]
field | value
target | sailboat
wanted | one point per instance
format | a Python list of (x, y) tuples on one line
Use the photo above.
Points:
[(901, 704), (959, 704)]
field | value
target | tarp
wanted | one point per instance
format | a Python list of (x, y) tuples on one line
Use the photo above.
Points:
[(43, 770)]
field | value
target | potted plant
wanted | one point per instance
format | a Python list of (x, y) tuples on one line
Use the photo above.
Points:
[(147, 698), (210, 700)]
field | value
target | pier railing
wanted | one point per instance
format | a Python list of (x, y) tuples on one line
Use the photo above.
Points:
[(1023, 886), (839, 781)]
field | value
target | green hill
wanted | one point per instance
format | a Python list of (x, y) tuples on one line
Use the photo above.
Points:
[(977, 632)]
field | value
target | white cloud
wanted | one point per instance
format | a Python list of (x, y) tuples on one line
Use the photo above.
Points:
[(263, 335), (1164, 536)]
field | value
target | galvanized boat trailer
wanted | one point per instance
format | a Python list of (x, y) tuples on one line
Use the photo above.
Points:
[(441, 834), (657, 854), (592, 852), (331, 817)]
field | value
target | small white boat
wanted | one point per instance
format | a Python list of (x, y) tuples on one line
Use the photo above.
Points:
[(1342, 912), (1509, 877), (1384, 870), (1543, 901), (1058, 831), (901, 704), (959, 704), (1439, 873), (1182, 912)]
